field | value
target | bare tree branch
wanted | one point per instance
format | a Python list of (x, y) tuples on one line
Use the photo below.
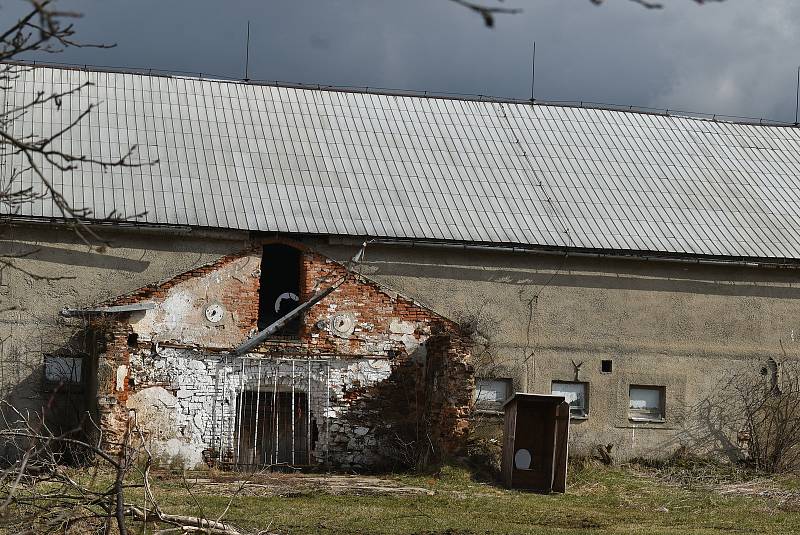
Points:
[(40, 495), (34, 159), (488, 12)]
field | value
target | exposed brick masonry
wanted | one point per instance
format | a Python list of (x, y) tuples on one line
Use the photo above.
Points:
[(419, 348)]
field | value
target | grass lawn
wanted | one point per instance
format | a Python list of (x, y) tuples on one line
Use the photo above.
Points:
[(599, 499), (690, 497)]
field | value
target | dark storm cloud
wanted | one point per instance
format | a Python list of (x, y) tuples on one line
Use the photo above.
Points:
[(738, 57)]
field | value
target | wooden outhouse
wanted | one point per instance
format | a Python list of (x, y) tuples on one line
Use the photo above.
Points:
[(535, 442)]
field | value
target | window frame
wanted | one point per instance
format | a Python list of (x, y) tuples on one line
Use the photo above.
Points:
[(492, 407), (65, 383), (576, 416), (662, 400)]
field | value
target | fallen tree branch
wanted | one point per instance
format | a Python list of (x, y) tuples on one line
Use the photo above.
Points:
[(182, 521)]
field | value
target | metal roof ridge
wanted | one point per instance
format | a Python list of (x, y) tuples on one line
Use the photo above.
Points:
[(369, 90)]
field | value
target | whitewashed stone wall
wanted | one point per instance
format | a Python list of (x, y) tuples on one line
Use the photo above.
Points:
[(185, 400)]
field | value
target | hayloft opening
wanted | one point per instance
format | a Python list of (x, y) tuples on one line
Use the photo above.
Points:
[(279, 291)]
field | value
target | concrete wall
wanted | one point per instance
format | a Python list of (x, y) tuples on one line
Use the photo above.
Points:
[(684, 326)]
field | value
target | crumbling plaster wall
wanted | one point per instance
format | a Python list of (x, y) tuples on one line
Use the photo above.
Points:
[(180, 313), (388, 338), (54, 267), (384, 321), (186, 401), (685, 326)]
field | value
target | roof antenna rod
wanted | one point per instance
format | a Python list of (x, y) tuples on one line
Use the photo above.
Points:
[(247, 55), (533, 74), (797, 97)]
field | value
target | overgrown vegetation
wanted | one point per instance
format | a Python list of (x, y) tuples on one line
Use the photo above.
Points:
[(758, 411), (636, 498)]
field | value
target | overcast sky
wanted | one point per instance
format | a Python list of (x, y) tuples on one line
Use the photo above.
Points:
[(739, 57)]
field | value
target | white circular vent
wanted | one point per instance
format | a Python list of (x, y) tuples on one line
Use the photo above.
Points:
[(215, 313), (342, 325)]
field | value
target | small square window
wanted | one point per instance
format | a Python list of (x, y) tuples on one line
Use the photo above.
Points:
[(63, 370), (576, 394), (606, 366), (646, 403), (490, 394)]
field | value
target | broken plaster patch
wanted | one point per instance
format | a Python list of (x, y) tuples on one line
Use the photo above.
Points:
[(402, 327), (168, 316), (122, 374), (176, 307), (410, 342)]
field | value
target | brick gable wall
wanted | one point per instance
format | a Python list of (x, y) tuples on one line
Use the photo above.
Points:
[(414, 347)]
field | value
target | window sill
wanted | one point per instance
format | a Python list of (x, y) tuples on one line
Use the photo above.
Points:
[(578, 416), (647, 420)]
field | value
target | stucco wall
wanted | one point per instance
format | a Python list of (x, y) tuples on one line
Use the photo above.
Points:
[(681, 325), (685, 326), (57, 268)]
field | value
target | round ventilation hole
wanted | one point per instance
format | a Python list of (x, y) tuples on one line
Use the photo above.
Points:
[(342, 325), (215, 313)]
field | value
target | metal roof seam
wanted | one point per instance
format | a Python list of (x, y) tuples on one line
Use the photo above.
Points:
[(278, 159)]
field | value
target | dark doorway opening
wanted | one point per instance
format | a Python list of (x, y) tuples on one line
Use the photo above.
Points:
[(279, 292), (273, 429)]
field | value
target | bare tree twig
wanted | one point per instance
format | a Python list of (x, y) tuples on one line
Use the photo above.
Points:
[(38, 483), (488, 12)]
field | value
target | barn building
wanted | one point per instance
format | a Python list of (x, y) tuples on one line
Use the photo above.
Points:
[(440, 254)]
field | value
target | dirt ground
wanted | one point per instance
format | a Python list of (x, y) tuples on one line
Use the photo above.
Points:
[(292, 485)]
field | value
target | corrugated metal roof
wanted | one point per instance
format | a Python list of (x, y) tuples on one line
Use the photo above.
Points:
[(281, 159)]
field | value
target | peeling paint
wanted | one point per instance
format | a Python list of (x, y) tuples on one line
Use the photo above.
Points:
[(189, 397), (180, 316)]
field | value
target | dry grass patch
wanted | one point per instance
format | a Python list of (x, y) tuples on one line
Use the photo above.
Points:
[(636, 499)]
